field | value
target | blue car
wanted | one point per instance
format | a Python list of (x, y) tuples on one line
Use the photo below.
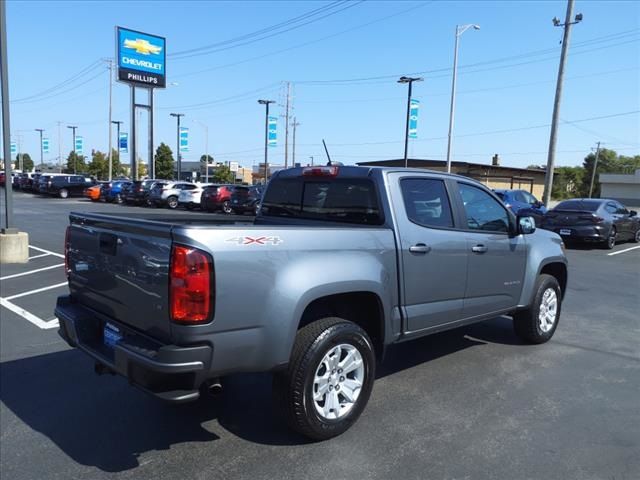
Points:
[(114, 192), (522, 202)]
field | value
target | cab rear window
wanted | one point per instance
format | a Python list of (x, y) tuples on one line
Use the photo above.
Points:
[(337, 200)]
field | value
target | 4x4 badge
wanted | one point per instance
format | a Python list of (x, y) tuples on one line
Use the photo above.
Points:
[(256, 240)]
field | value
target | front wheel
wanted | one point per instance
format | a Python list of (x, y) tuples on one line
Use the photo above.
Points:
[(636, 237), (226, 207), (64, 193), (538, 323), (329, 378), (610, 242), (119, 199), (172, 202)]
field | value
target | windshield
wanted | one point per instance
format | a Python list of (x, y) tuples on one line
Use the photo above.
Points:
[(578, 205)]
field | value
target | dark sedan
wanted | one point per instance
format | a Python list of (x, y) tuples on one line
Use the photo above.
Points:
[(603, 221), (246, 199)]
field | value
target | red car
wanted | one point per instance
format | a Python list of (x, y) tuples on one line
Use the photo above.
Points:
[(217, 197)]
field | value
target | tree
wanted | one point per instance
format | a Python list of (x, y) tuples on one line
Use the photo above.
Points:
[(75, 163), (567, 182), (142, 170), (164, 162), (117, 169), (222, 174), (25, 161)]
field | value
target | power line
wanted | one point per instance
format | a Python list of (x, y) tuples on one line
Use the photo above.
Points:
[(264, 37), (57, 94), (222, 100)]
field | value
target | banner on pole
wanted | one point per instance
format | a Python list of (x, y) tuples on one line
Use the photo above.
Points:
[(45, 145), (272, 128), (414, 106), (123, 143), (14, 148), (184, 139), (79, 145)]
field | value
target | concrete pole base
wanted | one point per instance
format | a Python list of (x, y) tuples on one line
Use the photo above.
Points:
[(14, 247)]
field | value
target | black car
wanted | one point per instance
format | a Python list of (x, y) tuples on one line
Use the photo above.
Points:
[(137, 193), (599, 220), (246, 199), (65, 186)]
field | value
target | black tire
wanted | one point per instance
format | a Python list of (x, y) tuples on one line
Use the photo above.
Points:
[(119, 199), (636, 237), (610, 242), (226, 207), (172, 202), (294, 388), (63, 193), (527, 323)]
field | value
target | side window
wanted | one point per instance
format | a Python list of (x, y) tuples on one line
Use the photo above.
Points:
[(482, 210), (621, 209), (188, 187), (611, 208), (426, 202)]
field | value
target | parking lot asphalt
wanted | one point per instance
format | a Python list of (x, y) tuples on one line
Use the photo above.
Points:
[(469, 403)]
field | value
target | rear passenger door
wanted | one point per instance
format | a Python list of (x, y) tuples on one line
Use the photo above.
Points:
[(496, 259), (433, 254)]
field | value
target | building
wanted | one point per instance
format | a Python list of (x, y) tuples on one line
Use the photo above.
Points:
[(493, 176), (622, 187)]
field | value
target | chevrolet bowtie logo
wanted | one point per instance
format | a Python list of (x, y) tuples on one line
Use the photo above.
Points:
[(142, 46)]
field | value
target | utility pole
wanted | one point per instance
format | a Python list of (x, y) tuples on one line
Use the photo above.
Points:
[(110, 62), (206, 150), (286, 125), (311, 157), (41, 158), (117, 123), (75, 156), (179, 157), (6, 128), (460, 29), (595, 167), (59, 147), (293, 157), (548, 181), (266, 103), (410, 81)]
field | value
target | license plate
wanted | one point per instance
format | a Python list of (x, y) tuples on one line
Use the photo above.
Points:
[(112, 335), (565, 231)]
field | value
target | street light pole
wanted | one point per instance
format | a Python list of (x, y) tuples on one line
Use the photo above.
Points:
[(6, 127), (179, 157), (410, 81), (41, 152), (75, 156), (266, 136), (117, 123), (593, 173), (460, 29), (551, 159), (295, 124), (206, 150)]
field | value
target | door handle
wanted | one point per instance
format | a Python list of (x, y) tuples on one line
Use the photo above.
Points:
[(420, 248), (479, 249)]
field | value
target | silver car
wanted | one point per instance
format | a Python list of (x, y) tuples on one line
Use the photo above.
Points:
[(189, 198), (167, 193)]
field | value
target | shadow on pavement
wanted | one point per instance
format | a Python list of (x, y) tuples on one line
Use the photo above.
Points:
[(102, 422)]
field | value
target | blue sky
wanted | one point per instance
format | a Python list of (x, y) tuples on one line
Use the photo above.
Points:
[(343, 70)]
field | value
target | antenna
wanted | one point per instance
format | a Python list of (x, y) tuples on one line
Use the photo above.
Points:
[(326, 151)]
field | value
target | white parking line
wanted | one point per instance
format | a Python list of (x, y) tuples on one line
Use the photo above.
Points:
[(31, 271), (59, 255), (37, 290), (622, 251), (37, 321), (39, 256)]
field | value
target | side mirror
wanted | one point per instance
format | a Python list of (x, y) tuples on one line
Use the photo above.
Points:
[(538, 204), (526, 225), (633, 213)]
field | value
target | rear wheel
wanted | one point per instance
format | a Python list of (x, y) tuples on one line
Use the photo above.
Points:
[(172, 202), (610, 242), (636, 237), (226, 207), (64, 193), (118, 199), (538, 323), (329, 379)]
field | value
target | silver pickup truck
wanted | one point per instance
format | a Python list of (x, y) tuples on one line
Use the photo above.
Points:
[(339, 263)]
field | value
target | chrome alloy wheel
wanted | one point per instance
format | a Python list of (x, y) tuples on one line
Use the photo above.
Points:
[(338, 381), (548, 310)]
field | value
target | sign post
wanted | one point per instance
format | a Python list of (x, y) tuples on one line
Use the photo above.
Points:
[(141, 63)]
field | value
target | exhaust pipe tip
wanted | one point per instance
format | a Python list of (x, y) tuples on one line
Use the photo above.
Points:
[(214, 387)]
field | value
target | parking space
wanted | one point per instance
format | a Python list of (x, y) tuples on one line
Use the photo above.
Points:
[(469, 403)]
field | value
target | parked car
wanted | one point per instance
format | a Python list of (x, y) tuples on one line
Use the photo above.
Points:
[(2, 179), (190, 198), (27, 183), (44, 182), (64, 186), (22, 180), (599, 220), (217, 197), (340, 263), (93, 192), (522, 202), (112, 192), (138, 192), (246, 199), (166, 193)]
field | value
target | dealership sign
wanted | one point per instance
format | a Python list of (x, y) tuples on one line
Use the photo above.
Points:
[(123, 142), (272, 131), (414, 106), (141, 58)]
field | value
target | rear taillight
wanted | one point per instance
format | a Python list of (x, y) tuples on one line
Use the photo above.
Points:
[(592, 218), (328, 171), (66, 251), (191, 284)]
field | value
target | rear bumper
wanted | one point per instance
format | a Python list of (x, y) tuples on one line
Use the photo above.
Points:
[(169, 372), (586, 233)]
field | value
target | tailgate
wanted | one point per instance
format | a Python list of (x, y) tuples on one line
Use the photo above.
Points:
[(569, 218), (119, 267)]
